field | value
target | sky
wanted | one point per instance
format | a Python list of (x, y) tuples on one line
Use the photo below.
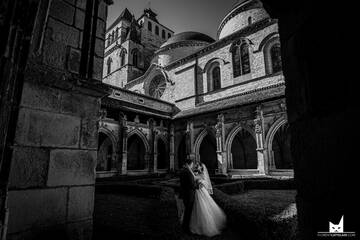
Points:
[(179, 15)]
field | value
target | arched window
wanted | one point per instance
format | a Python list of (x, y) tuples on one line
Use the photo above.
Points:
[(241, 59), (150, 26), (117, 33), (156, 30), (157, 86), (109, 61), (249, 20), (135, 56), (169, 35), (272, 55), (275, 54), (214, 77), (113, 36), (163, 34), (122, 57)]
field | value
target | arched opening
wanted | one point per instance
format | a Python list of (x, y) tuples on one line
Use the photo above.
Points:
[(109, 62), (105, 154), (207, 153), (272, 55), (136, 153), (181, 153), (156, 30), (122, 57), (216, 78), (135, 56), (240, 58), (275, 54), (281, 148), (162, 155), (213, 77), (243, 151)]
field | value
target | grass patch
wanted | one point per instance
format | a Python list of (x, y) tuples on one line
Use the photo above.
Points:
[(261, 214)]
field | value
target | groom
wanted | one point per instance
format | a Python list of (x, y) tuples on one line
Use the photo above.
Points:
[(187, 192)]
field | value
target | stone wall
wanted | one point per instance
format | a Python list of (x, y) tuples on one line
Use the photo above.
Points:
[(52, 175)]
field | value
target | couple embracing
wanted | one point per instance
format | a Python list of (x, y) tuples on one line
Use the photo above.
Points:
[(202, 215)]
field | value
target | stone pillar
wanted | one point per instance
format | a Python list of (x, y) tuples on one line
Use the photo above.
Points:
[(259, 134), (155, 153), (172, 147), (190, 141), (52, 140), (220, 150), (122, 145), (150, 156)]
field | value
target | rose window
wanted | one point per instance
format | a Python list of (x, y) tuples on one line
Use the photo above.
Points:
[(157, 87)]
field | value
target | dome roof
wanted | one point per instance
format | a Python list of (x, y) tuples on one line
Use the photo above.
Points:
[(239, 2), (188, 36)]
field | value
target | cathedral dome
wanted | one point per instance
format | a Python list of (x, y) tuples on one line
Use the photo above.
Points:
[(181, 45), (243, 14), (188, 36)]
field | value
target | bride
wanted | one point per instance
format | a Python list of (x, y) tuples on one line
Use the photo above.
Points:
[(207, 218)]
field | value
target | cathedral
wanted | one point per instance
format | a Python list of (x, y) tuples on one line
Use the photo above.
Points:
[(186, 95)]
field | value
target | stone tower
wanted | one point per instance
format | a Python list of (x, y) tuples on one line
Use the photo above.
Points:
[(130, 46)]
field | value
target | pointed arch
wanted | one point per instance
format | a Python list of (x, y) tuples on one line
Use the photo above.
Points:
[(230, 140), (142, 137), (161, 148), (270, 139), (205, 149), (107, 149)]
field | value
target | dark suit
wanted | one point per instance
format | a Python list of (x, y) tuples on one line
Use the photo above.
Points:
[(187, 194)]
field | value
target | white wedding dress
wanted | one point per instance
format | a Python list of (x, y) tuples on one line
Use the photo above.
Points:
[(207, 218)]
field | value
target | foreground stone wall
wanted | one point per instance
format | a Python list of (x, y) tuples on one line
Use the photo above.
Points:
[(52, 176)]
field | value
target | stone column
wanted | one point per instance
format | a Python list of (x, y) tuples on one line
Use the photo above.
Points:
[(172, 147), (190, 141), (150, 156), (124, 147), (261, 154), (155, 152), (220, 152)]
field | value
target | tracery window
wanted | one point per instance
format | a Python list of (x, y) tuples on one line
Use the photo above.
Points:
[(241, 58), (157, 86)]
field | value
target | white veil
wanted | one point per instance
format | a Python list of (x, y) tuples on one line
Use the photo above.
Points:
[(208, 185)]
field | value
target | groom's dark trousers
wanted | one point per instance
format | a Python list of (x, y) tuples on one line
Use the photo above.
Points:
[(187, 193)]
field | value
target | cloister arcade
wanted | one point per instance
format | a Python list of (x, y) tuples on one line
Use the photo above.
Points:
[(257, 146)]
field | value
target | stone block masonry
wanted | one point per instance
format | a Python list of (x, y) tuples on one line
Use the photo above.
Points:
[(52, 174)]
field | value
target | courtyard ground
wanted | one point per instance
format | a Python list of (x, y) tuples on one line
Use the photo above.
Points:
[(125, 216)]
